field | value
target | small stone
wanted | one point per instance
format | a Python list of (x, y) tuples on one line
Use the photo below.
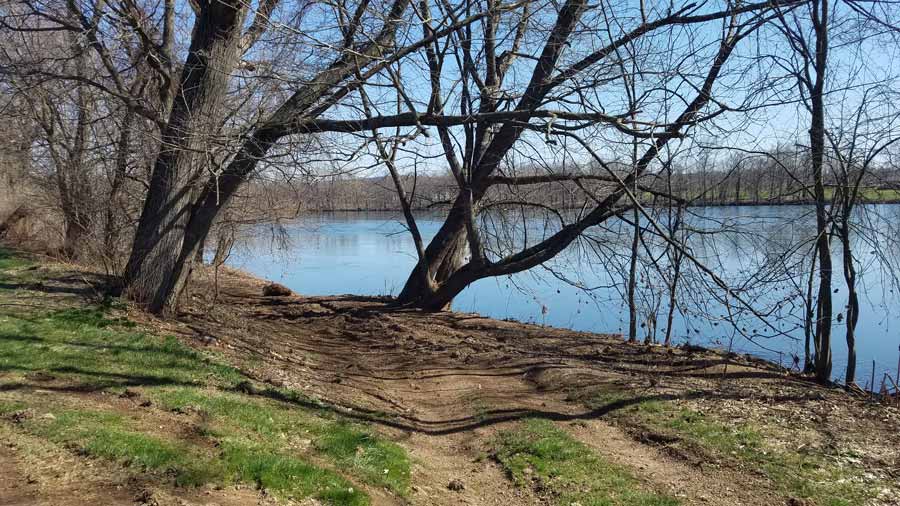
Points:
[(48, 416)]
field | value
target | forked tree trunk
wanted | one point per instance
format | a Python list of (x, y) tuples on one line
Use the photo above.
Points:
[(444, 250), (151, 278), (172, 227), (445, 254)]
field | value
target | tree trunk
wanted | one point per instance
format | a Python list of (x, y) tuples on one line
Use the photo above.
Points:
[(673, 301), (817, 152), (165, 248), (123, 145), (632, 277), (445, 254), (151, 278), (74, 190), (852, 301), (808, 321), (446, 240)]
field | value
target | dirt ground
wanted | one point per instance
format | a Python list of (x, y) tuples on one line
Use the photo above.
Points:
[(443, 384)]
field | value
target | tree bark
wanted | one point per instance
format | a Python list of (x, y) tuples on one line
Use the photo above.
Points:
[(632, 277), (852, 301), (150, 277), (817, 152)]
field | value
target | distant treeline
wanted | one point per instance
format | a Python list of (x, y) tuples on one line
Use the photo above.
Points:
[(744, 183)]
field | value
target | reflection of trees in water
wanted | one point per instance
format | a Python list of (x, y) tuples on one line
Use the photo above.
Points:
[(761, 252)]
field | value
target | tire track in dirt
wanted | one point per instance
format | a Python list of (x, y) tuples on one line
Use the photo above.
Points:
[(460, 459), (666, 474), (15, 487)]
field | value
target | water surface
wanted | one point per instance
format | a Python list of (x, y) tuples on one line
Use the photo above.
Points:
[(756, 250)]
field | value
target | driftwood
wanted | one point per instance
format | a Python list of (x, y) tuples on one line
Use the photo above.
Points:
[(276, 290)]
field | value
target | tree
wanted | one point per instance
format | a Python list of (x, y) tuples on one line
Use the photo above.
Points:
[(857, 144), (456, 256), (169, 241), (51, 68), (811, 51)]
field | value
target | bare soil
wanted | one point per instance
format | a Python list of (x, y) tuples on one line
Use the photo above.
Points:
[(443, 384)]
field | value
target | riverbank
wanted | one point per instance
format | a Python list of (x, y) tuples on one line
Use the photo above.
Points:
[(365, 405), (693, 204)]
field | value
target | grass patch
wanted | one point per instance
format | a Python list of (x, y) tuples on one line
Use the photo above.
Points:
[(10, 407), (289, 475), (98, 352), (107, 435), (539, 451), (9, 260), (804, 475), (288, 446), (270, 424)]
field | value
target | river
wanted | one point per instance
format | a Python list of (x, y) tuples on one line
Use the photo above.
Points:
[(756, 250)]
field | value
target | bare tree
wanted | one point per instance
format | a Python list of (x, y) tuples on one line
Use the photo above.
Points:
[(456, 256), (810, 72)]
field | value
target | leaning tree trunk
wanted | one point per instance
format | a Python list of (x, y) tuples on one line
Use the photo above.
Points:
[(150, 277), (445, 254)]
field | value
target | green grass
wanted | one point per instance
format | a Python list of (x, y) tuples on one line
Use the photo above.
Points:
[(285, 473), (242, 436), (573, 474), (804, 475), (107, 435), (9, 260), (10, 407), (101, 353), (270, 424)]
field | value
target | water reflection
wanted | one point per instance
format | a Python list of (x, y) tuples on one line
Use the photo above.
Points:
[(761, 252)]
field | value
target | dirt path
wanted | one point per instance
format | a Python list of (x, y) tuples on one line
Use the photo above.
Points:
[(460, 459), (16, 488), (443, 384), (689, 483), (35, 473)]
